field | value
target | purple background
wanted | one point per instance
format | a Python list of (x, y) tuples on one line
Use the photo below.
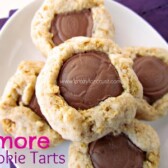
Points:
[(154, 11), (3, 20)]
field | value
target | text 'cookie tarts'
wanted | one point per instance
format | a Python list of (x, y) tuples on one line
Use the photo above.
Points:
[(151, 67), (20, 114), (86, 89), (59, 20), (134, 145)]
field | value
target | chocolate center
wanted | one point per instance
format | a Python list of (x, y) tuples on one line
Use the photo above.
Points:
[(115, 152), (153, 75), (34, 106), (87, 79), (66, 26)]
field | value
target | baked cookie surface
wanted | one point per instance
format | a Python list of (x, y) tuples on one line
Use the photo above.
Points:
[(151, 67), (20, 114), (59, 20), (132, 145), (89, 89)]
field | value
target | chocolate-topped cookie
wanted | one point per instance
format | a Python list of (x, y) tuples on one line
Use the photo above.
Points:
[(19, 102), (89, 88), (151, 68), (59, 20), (153, 75), (116, 151), (89, 72), (133, 145), (72, 24)]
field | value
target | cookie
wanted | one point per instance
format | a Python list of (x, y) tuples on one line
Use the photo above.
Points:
[(59, 20), (87, 88), (151, 67), (20, 114), (132, 145)]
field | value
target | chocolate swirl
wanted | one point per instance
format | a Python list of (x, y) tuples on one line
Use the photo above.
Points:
[(66, 26), (88, 78), (153, 75), (116, 152)]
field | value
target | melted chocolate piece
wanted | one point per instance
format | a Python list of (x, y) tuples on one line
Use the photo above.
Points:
[(116, 152), (66, 26), (153, 75), (88, 78), (34, 106)]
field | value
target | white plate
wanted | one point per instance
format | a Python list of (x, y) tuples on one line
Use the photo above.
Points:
[(16, 45)]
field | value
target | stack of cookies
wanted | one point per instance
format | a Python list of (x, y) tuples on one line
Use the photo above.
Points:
[(89, 90)]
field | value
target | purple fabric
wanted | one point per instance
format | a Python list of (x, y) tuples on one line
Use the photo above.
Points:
[(141, 6), (154, 11), (12, 165), (3, 20)]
